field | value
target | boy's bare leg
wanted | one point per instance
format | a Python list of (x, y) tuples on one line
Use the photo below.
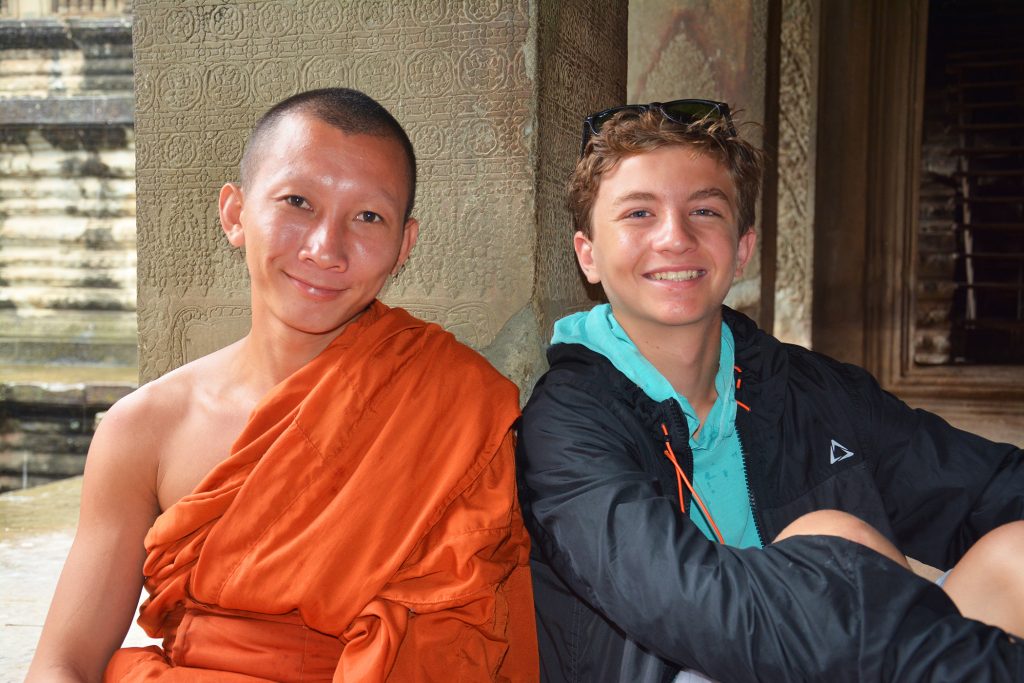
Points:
[(988, 582), (844, 525)]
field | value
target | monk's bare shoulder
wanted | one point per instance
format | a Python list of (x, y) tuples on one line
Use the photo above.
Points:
[(165, 430)]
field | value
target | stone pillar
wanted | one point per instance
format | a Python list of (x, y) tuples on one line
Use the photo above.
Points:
[(797, 156), (491, 92), (711, 50)]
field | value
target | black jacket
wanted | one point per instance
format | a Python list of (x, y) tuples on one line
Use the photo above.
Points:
[(628, 589)]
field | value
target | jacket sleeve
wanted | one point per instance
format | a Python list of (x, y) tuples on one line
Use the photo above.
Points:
[(808, 608), (943, 488)]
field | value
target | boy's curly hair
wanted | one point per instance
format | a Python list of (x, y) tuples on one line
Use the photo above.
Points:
[(628, 133)]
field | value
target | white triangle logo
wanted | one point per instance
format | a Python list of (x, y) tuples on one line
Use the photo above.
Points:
[(839, 452)]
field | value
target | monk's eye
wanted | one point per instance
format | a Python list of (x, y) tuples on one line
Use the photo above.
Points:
[(297, 201), (370, 217)]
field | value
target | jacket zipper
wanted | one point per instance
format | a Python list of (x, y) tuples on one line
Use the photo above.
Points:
[(746, 481)]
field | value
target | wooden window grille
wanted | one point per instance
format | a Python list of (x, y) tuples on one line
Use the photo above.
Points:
[(969, 295)]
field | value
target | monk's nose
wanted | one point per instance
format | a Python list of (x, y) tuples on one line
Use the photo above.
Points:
[(325, 246)]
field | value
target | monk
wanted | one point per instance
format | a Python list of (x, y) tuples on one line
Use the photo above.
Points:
[(333, 496)]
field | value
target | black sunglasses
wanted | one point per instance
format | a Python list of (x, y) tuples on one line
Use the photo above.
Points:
[(683, 112)]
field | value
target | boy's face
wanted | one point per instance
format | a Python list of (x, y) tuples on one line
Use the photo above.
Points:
[(665, 241), (322, 222)]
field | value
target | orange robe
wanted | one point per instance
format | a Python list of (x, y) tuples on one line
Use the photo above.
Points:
[(363, 528)]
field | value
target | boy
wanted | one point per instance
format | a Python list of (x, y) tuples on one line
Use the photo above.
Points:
[(678, 466)]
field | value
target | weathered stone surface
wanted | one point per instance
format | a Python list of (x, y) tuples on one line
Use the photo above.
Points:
[(67, 196), (488, 91), (42, 465), (518, 350), (56, 394), (45, 428), (80, 110), (695, 49), (45, 394), (794, 268)]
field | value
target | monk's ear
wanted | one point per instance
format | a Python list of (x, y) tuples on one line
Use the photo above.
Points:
[(585, 255), (230, 204), (410, 233)]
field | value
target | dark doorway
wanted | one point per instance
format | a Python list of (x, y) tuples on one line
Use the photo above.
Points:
[(969, 290)]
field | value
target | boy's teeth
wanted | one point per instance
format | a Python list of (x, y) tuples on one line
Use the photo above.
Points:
[(677, 275)]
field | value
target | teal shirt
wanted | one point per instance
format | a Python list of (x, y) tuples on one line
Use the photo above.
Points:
[(718, 472)]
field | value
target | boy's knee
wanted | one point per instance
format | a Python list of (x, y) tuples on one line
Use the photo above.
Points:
[(830, 523), (843, 525), (1002, 545)]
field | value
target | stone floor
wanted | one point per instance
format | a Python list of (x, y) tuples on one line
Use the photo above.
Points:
[(36, 529)]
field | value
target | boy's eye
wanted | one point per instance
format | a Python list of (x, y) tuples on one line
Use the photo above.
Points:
[(370, 217), (639, 213), (705, 212), (297, 201)]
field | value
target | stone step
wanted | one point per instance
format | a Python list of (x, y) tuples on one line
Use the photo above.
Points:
[(72, 136), (59, 163), (63, 62), (92, 233), (17, 441), (16, 482), (78, 82), (58, 277), (65, 257), (91, 373), (94, 396), (73, 189), (112, 206), (36, 425), (54, 352), (101, 298), (41, 465)]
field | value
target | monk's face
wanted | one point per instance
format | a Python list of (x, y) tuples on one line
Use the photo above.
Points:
[(323, 223)]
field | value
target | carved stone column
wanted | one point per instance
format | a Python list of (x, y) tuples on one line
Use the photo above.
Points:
[(491, 92), (711, 50)]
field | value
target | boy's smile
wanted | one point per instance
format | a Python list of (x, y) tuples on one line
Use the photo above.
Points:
[(665, 242)]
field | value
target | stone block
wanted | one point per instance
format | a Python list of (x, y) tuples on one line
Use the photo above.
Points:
[(105, 395), (92, 110), (43, 394), (44, 446), (41, 465)]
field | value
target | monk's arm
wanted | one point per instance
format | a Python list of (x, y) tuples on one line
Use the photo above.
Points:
[(101, 581), (468, 588)]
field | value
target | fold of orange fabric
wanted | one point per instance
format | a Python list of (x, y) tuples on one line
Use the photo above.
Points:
[(363, 528)]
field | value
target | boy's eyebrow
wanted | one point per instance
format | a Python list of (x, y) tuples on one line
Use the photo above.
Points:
[(709, 193), (705, 193), (634, 197)]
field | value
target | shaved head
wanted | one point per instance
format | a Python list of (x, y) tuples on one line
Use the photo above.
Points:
[(350, 111)]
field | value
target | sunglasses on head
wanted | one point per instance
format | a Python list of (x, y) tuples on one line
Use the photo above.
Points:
[(683, 112)]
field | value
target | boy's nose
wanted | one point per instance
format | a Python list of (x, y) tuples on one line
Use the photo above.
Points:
[(674, 234)]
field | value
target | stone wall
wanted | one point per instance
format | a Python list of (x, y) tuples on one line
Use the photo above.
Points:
[(798, 111), (712, 50), (45, 429), (490, 94), (68, 341), (67, 195), (721, 51)]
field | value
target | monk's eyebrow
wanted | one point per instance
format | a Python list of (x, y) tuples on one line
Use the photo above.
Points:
[(709, 193), (634, 197)]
